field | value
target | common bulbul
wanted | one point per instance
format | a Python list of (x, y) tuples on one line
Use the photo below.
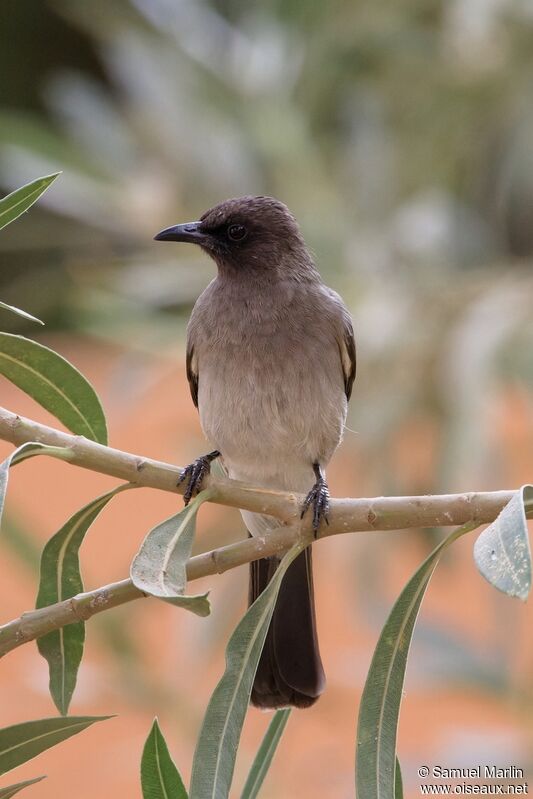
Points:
[(270, 364)]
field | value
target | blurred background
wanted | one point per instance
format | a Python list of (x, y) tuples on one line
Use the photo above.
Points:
[(400, 136)]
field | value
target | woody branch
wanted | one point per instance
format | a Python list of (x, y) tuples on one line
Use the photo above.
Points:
[(346, 515)]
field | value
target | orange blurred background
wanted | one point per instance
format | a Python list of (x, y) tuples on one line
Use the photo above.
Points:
[(468, 690)]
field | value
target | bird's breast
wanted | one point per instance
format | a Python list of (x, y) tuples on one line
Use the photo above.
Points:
[(271, 401)]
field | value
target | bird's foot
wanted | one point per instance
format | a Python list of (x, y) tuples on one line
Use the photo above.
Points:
[(318, 499), (195, 473)]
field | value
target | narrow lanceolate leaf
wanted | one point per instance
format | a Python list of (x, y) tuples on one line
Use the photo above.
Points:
[(159, 567), (398, 781), (25, 315), (380, 703), (216, 749), (11, 790), (160, 779), (20, 454), (55, 384), (22, 742), (61, 579), (502, 552), (12, 206), (265, 754)]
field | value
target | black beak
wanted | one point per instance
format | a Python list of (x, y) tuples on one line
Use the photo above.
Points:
[(190, 231)]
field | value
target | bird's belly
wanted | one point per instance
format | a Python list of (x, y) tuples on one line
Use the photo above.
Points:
[(271, 420)]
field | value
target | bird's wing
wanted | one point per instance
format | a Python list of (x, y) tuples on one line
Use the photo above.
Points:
[(345, 338), (347, 351), (191, 366)]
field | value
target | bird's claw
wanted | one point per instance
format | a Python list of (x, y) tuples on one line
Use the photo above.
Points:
[(318, 498), (195, 473)]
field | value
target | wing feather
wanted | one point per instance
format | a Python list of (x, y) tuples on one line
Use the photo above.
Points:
[(348, 356), (191, 367)]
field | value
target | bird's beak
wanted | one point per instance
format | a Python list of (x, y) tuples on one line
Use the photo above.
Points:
[(190, 231)]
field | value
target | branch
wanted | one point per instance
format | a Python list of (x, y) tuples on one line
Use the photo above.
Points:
[(346, 515), (36, 623)]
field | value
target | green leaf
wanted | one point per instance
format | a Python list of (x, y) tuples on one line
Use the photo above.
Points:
[(216, 749), (159, 567), (54, 383), (20, 454), (12, 206), (160, 779), (502, 553), (265, 754), (22, 742), (380, 703), (22, 313), (11, 790), (398, 782), (61, 579)]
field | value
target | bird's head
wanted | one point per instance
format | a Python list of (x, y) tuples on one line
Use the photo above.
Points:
[(247, 234)]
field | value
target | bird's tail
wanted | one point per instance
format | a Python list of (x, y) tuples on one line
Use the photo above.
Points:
[(290, 670)]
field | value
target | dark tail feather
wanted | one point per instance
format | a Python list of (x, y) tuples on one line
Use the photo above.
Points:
[(290, 670)]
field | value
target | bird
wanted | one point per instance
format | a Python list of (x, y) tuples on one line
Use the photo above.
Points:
[(270, 362)]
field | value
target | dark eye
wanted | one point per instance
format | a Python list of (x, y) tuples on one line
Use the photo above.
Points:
[(236, 232)]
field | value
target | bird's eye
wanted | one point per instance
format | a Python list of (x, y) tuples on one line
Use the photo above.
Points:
[(236, 232)]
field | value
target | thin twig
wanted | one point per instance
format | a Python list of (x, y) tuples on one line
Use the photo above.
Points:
[(36, 623)]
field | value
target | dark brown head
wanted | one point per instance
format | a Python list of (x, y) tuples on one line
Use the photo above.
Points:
[(247, 233)]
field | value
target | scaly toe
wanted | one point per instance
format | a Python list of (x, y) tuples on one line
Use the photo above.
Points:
[(194, 474), (307, 501), (184, 474), (318, 497)]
